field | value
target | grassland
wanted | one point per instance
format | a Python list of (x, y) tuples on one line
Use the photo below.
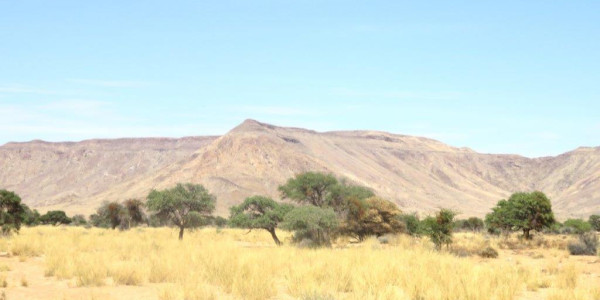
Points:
[(150, 263)]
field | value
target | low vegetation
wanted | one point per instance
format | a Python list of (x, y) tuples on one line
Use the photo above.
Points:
[(587, 245), (235, 264), (362, 246)]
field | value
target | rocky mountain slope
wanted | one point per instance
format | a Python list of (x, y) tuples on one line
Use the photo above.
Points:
[(419, 174)]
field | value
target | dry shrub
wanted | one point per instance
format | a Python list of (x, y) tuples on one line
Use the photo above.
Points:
[(587, 245), (488, 252), (234, 265)]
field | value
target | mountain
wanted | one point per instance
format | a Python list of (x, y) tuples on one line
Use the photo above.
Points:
[(66, 174), (419, 174)]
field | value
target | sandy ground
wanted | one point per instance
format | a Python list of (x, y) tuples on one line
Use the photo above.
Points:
[(26, 280), (41, 287)]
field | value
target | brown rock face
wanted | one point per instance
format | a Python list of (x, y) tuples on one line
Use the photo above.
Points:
[(419, 174)]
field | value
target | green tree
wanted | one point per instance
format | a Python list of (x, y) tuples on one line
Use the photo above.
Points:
[(55, 217), (414, 226), (109, 214), (78, 220), (471, 224), (439, 228), (579, 226), (11, 212), (30, 217), (185, 205), (372, 216), (313, 223), (342, 196), (594, 220), (259, 212), (220, 221), (309, 188), (135, 212), (99, 218), (522, 211)]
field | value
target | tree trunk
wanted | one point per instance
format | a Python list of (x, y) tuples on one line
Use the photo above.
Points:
[(526, 234), (181, 233), (275, 238)]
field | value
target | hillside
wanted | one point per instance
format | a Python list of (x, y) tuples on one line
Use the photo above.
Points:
[(65, 174), (419, 174)]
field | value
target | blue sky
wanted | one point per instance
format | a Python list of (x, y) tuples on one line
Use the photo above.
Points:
[(496, 76)]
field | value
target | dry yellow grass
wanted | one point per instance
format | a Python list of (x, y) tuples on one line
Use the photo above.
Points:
[(234, 264)]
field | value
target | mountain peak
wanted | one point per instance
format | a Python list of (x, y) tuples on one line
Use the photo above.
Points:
[(252, 125)]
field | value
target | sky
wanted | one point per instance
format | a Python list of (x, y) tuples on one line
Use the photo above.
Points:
[(518, 77)]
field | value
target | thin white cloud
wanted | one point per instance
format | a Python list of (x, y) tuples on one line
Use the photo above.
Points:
[(109, 83)]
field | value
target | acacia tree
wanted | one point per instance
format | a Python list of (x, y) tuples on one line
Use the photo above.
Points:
[(313, 223), (439, 228), (135, 213), (474, 224), (309, 188), (522, 211), (259, 212), (372, 216), (11, 211), (579, 226), (343, 196), (594, 220), (185, 205), (109, 214), (30, 217), (55, 217)]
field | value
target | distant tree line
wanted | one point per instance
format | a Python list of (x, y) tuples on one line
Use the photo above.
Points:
[(317, 207)]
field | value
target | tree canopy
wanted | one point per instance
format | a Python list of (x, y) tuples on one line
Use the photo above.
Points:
[(439, 228), (312, 223), (185, 205), (135, 212), (309, 188), (55, 217), (372, 216), (11, 211), (522, 211), (579, 226), (340, 196), (594, 220), (259, 212)]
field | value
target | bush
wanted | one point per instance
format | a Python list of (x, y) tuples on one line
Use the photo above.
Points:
[(439, 228), (311, 223), (594, 220), (55, 217), (414, 226), (488, 252), (587, 245), (372, 216), (522, 211), (78, 220), (579, 226), (471, 224)]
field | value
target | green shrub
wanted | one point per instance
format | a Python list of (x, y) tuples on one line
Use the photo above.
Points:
[(594, 220), (313, 225), (471, 224), (439, 228), (578, 226), (414, 226)]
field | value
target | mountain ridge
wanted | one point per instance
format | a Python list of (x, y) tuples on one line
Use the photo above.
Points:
[(417, 173)]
